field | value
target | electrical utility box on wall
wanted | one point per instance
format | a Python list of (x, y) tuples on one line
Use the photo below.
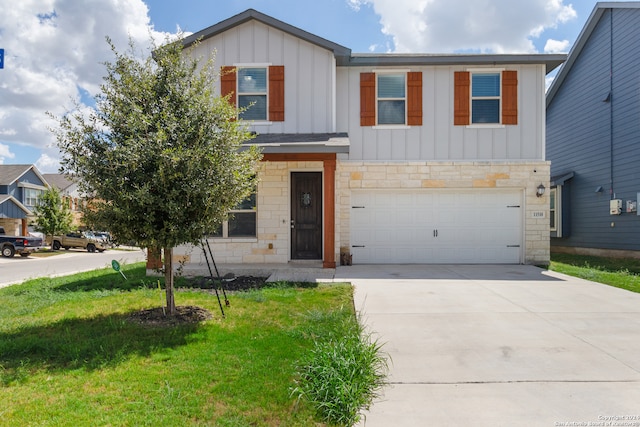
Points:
[(615, 207), (631, 206)]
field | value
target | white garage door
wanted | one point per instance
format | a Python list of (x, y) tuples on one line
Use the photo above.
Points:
[(394, 226)]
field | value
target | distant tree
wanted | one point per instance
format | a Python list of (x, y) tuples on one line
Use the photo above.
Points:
[(160, 154), (53, 215)]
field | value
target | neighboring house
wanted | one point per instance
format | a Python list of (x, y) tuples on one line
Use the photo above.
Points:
[(593, 137), (385, 158), (20, 189), (69, 192)]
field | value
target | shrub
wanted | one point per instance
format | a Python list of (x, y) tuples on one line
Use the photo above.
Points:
[(342, 374)]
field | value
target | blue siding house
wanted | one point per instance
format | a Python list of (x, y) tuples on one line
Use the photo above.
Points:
[(593, 137), (20, 189)]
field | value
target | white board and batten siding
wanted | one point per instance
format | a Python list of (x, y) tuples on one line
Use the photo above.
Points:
[(436, 226), (438, 139), (309, 73)]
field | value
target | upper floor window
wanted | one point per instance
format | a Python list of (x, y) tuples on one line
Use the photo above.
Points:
[(486, 97), (258, 90), (32, 197), (252, 93), (391, 98)]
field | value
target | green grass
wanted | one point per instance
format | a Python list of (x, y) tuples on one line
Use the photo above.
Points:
[(343, 373), (619, 272), (69, 355)]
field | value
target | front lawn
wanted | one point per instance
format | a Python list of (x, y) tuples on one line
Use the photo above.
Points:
[(619, 272), (70, 355)]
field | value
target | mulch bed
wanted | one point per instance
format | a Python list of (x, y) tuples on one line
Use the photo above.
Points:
[(157, 317), (185, 315)]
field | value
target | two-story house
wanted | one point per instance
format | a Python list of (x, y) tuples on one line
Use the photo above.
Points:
[(385, 158), (593, 131), (20, 189), (69, 193)]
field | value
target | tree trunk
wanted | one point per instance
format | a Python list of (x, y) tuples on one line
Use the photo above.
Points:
[(168, 280)]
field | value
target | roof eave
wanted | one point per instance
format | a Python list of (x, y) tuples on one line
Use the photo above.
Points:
[(551, 61), (581, 41)]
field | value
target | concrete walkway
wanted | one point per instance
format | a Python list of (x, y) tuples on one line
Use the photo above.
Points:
[(510, 345)]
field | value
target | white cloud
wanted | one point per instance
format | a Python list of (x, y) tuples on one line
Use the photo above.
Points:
[(5, 153), (557, 46), (48, 164), (440, 26), (54, 49)]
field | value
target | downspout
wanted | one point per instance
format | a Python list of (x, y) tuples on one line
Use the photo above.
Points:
[(612, 195)]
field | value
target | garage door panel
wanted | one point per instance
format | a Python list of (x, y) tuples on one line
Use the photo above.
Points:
[(461, 226)]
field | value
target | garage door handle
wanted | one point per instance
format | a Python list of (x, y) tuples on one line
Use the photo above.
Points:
[(357, 246), (513, 246), (357, 207)]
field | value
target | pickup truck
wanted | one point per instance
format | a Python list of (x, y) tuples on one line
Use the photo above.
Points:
[(84, 240), (22, 245)]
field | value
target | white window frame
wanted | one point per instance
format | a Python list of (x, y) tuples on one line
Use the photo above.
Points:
[(225, 224), (265, 94), (29, 201), (378, 99), (472, 98), (555, 194)]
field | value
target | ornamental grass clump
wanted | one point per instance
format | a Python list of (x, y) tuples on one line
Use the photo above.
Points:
[(342, 374)]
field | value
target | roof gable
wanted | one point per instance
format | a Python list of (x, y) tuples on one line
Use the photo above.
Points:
[(12, 173), (581, 41), (339, 51), (5, 198)]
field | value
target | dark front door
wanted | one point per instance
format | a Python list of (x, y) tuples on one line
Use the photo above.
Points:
[(306, 215)]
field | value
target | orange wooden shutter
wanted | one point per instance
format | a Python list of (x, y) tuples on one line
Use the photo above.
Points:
[(228, 83), (276, 93), (414, 98), (461, 111), (367, 99), (509, 97)]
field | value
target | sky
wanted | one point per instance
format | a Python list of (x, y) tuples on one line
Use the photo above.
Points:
[(55, 50)]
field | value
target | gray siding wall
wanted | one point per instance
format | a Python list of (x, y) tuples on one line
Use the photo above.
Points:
[(309, 73), (438, 139), (598, 140)]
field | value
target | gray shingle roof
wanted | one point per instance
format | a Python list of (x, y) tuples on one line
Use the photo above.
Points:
[(10, 173), (58, 180)]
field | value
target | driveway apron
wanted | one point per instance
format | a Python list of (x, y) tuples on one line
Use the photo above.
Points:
[(500, 345)]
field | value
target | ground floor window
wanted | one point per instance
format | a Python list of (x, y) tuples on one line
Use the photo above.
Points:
[(555, 211), (241, 221)]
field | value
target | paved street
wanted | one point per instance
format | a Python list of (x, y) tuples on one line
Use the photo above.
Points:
[(17, 269)]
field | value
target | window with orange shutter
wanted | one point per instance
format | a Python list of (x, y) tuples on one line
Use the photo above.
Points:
[(258, 91), (486, 97), (391, 99)]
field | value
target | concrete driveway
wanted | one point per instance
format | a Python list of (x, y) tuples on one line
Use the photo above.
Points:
[(505, 345)]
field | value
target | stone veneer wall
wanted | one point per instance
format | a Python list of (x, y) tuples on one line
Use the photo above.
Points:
[(455, 175), (273, 221), (272, 243)]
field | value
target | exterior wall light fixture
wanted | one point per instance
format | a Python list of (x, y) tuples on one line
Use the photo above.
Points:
[(540, 190)]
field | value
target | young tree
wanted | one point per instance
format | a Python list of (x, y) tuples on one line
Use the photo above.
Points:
[(53, 216), (160, 154)]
